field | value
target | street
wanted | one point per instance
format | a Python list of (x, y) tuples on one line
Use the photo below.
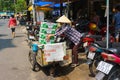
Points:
[(14, 63)]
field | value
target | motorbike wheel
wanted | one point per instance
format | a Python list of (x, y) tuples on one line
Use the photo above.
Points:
[(92, 68), (115, 75), (32, 58)]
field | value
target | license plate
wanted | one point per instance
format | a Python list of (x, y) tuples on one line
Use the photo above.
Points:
[(104, 67), (31, 37), (91, 55)]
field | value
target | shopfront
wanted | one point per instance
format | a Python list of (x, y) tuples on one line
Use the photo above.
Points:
[(84, 8), (99, 6)]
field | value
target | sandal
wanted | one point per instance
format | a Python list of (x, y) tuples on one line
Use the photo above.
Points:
[(74, 65)]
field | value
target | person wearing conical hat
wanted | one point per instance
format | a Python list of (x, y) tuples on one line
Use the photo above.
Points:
[(72, 34)]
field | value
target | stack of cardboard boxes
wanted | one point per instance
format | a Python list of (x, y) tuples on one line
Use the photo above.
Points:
[(47, 28)]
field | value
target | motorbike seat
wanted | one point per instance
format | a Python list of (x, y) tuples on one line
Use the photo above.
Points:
[(96, 37), (115, 50), (101, 43)]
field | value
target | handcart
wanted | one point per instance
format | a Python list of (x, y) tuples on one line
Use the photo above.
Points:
[(49, 54)]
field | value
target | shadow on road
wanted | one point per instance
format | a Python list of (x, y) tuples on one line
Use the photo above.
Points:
[(6, 43), (82, 60), (19, 36), (1, 35), (59, 71)]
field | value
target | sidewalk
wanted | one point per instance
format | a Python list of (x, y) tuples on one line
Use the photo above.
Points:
[(79, 73)]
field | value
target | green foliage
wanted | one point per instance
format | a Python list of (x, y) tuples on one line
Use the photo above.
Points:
[(13, 5), (20, 5)]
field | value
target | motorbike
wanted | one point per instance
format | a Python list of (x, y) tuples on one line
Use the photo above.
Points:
[(30, 32), (88, 40), (93, 51), (94, 54), (36, 30), (109, 69)]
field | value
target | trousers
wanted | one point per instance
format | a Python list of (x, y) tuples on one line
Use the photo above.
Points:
[(75, 53)]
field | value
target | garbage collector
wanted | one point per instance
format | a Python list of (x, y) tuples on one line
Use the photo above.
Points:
[(71, 33)]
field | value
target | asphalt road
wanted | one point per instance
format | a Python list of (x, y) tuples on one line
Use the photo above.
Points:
[(14, 64)]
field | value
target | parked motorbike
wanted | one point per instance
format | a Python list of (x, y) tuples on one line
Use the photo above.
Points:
[(109, 69), (36, 30), (94, 57), (30, 32), (94, 54)]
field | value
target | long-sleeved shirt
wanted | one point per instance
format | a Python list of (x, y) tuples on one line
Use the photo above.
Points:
[(70, 32)]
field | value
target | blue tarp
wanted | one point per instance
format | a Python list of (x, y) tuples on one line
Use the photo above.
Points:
[(41, 3), (58, 5)]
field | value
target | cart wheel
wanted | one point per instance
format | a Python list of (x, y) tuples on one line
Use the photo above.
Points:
[(52, 71), (32, 58)]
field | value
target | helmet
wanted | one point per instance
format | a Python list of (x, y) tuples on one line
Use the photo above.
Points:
[(92, 26)]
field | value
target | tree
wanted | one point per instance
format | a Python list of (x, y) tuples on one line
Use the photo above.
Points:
[(20, 5), (13, 5)]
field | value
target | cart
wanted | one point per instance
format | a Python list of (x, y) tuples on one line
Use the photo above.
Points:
[(49, 54)]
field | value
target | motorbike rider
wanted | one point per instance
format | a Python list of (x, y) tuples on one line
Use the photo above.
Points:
[(72, 34)]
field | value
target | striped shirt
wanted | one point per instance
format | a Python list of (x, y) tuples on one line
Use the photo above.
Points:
[(70, 33)]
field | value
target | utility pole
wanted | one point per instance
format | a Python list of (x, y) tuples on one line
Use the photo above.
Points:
[(34, 16), (107, 11)]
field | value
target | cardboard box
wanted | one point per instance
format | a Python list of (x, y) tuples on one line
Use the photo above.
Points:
[(47, 28)]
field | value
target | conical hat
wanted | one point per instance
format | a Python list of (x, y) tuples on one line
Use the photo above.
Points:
[(63, 19)]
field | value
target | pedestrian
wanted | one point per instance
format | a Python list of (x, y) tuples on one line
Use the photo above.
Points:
[(116, 22), (72, 34), (12, 25)]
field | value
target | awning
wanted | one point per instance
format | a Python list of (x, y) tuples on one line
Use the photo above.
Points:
[(38, 8), (41, 3), (43, 8), (58, 5)]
